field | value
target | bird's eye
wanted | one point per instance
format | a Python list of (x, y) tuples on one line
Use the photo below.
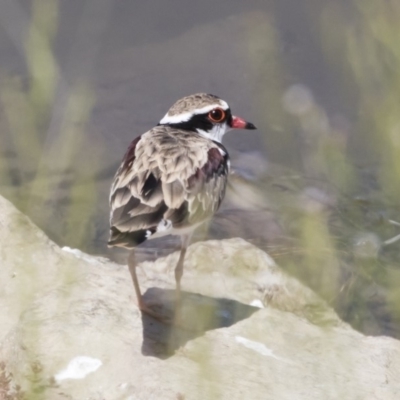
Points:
[(216, 115)]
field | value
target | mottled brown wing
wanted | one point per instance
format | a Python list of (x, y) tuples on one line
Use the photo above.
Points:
[(169, 179), (207, 186)]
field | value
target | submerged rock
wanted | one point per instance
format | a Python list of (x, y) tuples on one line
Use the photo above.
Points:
[(70, 328)]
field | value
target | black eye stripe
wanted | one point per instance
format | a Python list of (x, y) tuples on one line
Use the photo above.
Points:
[(200, 121)]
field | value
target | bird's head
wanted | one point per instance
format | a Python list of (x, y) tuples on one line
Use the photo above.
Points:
[(206, 114)]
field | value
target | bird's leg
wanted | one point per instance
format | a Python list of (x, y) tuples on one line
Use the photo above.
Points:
[(185, 239), (141, 304), (132, 269)]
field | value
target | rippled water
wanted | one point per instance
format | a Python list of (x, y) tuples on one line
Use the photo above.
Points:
[(315, 185)]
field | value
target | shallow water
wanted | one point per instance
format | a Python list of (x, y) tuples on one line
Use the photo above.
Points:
[(314, 185)]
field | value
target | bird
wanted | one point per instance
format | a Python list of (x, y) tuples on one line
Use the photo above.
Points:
[(172, 179)]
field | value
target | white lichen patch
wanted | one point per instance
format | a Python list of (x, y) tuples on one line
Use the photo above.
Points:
[(258, 347), (78, 368), (257, 303)]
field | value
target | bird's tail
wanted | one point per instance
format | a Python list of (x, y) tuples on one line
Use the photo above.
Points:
[(128, 240)]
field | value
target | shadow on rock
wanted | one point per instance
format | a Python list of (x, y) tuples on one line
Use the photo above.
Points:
[(198, 314)]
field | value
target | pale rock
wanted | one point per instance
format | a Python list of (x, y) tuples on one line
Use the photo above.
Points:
[(71, 329)]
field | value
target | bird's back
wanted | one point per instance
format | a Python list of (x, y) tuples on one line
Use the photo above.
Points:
[(169, 180)]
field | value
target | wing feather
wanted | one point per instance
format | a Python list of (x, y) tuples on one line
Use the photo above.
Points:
[(166, 174)]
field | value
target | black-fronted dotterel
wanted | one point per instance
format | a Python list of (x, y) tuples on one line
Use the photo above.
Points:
[(172, 178)]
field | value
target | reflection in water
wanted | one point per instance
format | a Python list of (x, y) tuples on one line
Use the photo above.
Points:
[(320, 79)]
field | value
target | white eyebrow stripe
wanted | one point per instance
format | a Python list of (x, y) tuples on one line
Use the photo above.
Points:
[(183, 117)]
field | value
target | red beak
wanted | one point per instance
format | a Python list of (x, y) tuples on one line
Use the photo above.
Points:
[(239, 123)]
